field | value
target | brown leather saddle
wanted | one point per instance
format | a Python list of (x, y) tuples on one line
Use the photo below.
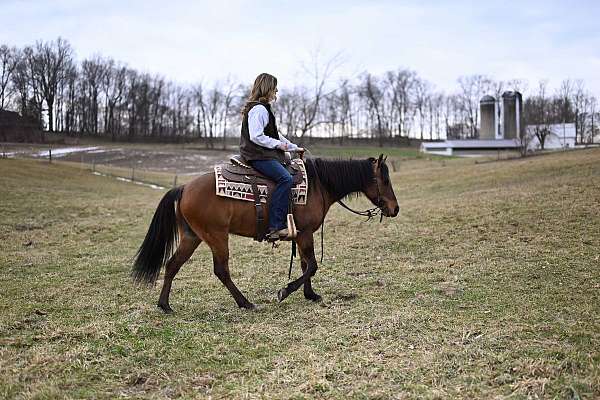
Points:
[(239, 170)]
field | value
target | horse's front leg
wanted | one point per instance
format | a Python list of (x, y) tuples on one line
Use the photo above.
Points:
[(309, 293), (309, 268)]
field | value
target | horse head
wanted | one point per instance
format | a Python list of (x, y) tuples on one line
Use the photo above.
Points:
[(380, 191)]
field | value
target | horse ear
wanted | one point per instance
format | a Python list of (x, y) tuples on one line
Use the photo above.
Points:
[(380, 160)]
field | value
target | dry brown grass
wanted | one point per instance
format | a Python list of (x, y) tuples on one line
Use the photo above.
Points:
[(486, 286)]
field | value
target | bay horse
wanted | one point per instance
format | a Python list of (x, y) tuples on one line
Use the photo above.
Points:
[(191, 214)]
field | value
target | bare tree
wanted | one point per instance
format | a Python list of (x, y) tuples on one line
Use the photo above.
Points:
[(422, 98), (402, 83), (436, 105), (30, 96), (209, 104), (49, 63), (288, 109), (472, 88), (71, 100), (524, 141), (310, 99), (579, 99), (229, 94), (449, 111), (537, 113), (374, 95), (345, 106), (113, 87), (9, 59), (564, 103), (93, 74), (594, 119), (199, 104)]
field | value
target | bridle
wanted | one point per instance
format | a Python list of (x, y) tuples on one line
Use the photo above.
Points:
[(371, 212)]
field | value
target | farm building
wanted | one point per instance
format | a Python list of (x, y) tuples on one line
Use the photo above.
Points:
[(470, 147), (561, 136), (15, 128), (501, 128)]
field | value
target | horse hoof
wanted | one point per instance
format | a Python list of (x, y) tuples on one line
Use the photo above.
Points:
[(165, 308), (250, 307), (313, 297), (282, 294)]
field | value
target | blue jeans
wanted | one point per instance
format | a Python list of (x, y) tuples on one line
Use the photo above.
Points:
[(280, 197)]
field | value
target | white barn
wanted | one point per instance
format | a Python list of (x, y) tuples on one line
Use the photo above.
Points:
[(562, 136), (469, 147)]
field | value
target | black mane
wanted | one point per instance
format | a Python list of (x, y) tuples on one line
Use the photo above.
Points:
[(341, 177)]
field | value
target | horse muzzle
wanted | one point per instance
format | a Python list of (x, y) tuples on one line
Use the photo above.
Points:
[(391, 213)]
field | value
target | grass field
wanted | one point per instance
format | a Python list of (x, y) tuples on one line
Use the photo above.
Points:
[(486, 286), (166, 163)]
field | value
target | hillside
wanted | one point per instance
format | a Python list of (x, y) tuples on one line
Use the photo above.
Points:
[(486, 285)]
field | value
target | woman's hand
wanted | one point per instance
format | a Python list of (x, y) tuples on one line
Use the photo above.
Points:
[(286, 147)]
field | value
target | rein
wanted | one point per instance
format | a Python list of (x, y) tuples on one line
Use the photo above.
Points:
[(371, 212)]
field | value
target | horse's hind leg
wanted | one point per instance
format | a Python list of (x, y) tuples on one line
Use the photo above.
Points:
[(219, 244), (187, 245)]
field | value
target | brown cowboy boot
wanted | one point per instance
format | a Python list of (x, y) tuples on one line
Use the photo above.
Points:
[(282, 234)]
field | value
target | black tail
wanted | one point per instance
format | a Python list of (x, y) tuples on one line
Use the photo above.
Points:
[(160, 239)]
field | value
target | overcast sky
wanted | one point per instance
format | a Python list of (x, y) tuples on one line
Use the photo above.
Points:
[(193, 41)]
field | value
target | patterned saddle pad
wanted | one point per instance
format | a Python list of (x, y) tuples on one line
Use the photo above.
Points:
[(233, 183)]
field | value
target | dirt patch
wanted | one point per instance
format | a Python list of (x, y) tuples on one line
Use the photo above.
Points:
[(173, 160)]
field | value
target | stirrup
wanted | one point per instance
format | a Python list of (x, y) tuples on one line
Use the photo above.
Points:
[(291, 225)]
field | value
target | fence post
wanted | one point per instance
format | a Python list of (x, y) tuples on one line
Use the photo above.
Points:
[(175, 181), (50, 155), (93, 165), (132, 173)]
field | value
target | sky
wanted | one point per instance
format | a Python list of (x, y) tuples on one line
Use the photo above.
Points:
[(210, 41)]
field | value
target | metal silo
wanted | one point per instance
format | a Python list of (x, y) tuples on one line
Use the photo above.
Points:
[(512, 107), (487, 110)]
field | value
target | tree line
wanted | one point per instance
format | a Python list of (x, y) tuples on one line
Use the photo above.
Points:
[(104, 97)]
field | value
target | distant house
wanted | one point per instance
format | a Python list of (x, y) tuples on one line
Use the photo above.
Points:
[(469, 147), (15, 128), (561, 136)]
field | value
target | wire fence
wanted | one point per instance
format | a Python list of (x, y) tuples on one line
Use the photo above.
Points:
[(134, 174)]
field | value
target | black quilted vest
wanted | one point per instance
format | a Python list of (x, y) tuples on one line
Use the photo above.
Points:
[(252, 151)]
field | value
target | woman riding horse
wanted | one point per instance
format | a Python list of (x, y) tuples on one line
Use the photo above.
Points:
[(191, 214), (264, 148)]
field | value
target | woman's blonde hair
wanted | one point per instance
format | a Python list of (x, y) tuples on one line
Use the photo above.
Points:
[(264, 85)]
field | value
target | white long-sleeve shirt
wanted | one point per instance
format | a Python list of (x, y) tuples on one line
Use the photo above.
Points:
[(258, 118)]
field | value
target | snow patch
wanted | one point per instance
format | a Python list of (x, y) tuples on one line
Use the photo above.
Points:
[(119, 178), (102, 151), (150, 185), (64, 151)]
